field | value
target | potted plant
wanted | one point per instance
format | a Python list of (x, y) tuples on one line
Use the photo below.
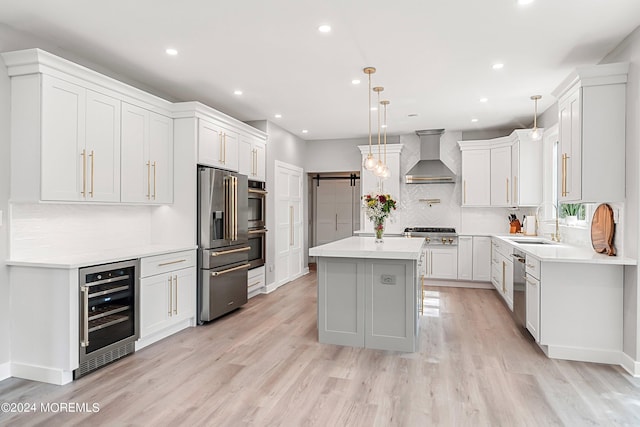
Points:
[(570, 212)]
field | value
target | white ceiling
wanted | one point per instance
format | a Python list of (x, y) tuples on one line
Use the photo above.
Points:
[(433, 57)]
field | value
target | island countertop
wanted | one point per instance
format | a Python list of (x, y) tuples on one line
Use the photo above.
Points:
[(365, 247)]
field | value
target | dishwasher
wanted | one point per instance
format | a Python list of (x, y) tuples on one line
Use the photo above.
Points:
[(519, 289)]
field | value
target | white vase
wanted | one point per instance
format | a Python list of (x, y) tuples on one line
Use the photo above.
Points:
[(571, 219)]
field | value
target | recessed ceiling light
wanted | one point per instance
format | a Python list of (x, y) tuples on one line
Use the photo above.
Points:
[(525, 2), (498, 66), (237, 92), (484, 99), (305, 131), (355, 81), (374, 108), (474, 120), (171, 51), (277, 116), (383, 126), (324, 28)]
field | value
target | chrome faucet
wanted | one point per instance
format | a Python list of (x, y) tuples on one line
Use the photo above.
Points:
[(554, 236)]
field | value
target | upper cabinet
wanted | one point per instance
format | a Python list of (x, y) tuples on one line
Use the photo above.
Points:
[(71, 131), (147, 156), (505, 171), (591, 126), (476, 177), (252, 159), (217, 146)]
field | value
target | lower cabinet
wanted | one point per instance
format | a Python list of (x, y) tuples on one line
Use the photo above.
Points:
[(502, 271), (256, 281), (369, 303), (167, 295), (474, 258), (532, 292), (442, 263)]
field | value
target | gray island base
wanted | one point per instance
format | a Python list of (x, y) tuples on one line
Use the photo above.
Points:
[(369, 294)]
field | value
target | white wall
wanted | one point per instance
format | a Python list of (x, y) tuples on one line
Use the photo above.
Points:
[(5, 168), (285, 147), (337, 155), (629, 51)]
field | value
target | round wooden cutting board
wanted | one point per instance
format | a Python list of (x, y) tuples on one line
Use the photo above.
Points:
[(602, 230)]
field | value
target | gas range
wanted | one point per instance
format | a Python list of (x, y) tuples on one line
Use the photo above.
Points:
[(434, 235)]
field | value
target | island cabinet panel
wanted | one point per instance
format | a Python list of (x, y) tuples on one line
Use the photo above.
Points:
[(341, 289), (389, 307), (368, 303)]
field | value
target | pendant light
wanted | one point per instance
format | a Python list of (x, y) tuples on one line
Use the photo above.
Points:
[(370, 162), (379, 167), (536, 134), (386, 173)]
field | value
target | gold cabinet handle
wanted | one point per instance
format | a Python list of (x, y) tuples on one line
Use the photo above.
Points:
[(290, 225), (220, 154), (154, 180), (148, 180), (162, 264), (170, 294), (563, 179), (175, 302), (464, 191), (92, 156), (84, 173), (224, 148), (507, 190), (514, 189)]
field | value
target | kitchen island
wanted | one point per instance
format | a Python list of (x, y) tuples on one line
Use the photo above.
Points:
[(368, 293)]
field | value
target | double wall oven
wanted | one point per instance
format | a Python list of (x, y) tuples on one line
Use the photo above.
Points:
[(223, 242), (257, 223)]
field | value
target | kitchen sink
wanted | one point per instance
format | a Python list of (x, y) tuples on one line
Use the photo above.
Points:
[(534, 241)]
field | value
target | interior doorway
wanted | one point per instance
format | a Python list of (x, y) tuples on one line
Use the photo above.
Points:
[(335, 199)]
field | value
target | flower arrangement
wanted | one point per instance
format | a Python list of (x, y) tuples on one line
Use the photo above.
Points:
[(378, 208)]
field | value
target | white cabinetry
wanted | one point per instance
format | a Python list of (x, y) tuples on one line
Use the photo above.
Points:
[(591, 125), (441, 262), (526, 170), (217, 146), (67, 121), (465, 257), (505, 171), (501, 176), (532, 292), (474, 258), (256, 281), (502, 270), (167, 295), (481, 258), (476, 177), (252, 157), (147, 156), (77, 133)]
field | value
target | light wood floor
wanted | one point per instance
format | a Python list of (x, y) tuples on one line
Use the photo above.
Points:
[(263, 366)]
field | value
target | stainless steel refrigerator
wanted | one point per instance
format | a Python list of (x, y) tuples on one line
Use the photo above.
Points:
[(223, 247)]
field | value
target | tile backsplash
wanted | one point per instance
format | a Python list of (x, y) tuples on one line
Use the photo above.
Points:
[(40, 230)]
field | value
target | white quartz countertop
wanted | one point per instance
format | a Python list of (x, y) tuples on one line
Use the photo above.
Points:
[(70, 261), (365, 247), (562, 252)]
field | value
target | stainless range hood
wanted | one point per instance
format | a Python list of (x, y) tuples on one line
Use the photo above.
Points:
[(430, 169)]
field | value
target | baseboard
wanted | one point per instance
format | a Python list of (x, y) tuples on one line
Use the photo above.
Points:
[(5, 370), (630, 365), (458, 284), (274, 285), (42, 374), (581, 354)]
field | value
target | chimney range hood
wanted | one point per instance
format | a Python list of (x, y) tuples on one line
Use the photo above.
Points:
[(430, 169)]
